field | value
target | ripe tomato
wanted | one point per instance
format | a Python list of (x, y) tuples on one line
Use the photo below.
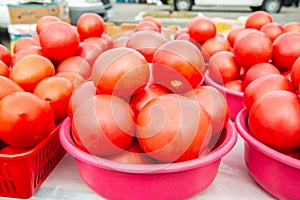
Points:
[(24, 43), (11, 150), (90, 25), (166, 131), (5, 55), (43, 21), (108, 39), (75, 78), (89, 52), (272, 30), (75, 64), (274, 120), (134, 154), (120, 71), (178, 65), (295, 74), (138, 100), (8, 86), (286, 49), (146, 42), (257, 70), (57, 92), (223, 67), (59, 40), (121, 41), (234, 85), (146, 25), (264, 84), (252, 47), (156, 21), (215, 44), (110, 128), (34, 49), (4, 70), (25, 119), (201, 28), (232, 34), (30, 70), (215, 104), (103, 44), (291, 27), (257, 19)]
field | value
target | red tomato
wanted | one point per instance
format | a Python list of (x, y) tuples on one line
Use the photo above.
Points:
[(257, 19), (223, 67), (75, 78), (90, 25), (178, 65), (34, 49), (215, 104), (4, 70), (24, 43), (121, 41), (232, 34), (264, 84), (139, 100), (5, 55), (110, 128), (89, 52), (43, 21), (214, 45), (146, 42), (120, 71), (252, 47), (57, 92), (75, 64), (286, 49), (30, 70), (201, 28), (25, 119), (234, 85), (8, 86), (272, 30), (258, 70), (293, 154), (295, 74), (274, 120), (168, 133), (291, 27), (11, 150), (59, 40), (146, 25), (134, 154), (108, 39), (156, 21), (98, 41)]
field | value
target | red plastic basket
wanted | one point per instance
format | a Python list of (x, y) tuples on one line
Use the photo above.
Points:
[(22, 174)]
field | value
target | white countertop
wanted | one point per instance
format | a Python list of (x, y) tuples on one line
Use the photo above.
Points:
[(231, 182)]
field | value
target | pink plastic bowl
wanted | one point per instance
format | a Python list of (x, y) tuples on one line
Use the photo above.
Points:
[(234, 99), (180, 180), (277, 173)]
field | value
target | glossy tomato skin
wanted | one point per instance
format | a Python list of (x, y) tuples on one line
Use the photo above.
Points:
[(234, 85), (8, 86), (275, 123), (4, 69), (272, 30), (178, 65), (166, 131), (232, 34), (295, 74), (110, 128), (258, 19), (215, 44), (5, 55), (201, 28), (90, 25), (25, 119)]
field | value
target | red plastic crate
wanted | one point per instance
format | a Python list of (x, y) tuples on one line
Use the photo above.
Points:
[(22, 174)]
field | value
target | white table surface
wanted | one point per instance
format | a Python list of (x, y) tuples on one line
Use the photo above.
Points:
[(231, 182)]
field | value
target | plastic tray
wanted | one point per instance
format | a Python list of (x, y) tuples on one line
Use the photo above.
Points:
[(22, 174)]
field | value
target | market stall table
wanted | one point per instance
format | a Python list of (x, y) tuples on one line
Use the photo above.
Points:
[(231, 182)]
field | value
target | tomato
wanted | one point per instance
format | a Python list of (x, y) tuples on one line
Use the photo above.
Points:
[(134, 154), (75, 64), (264, 84), (121, 41), (258, 70), (110, 128), (146, 42), (291, 27), (8, 86), (25, 119), (103, 44), (295, 74), (75, 78), (120, 71), (43, 21), (252, 47), (214, 45), (146, 25), (30, 70), (89, 52), (57, 92), (234, 85), (138, 100), (215, 104), (59, 40), (90, 25), (178, 65), (4, 70), (272, 30), (80, 94), (257, 19), (34, 49), (24, 43), (108, 39), (11, 150), (201, 28), (274, 120), (286, 49), (168, 133), (156, 21), (232, 34), (293, 154), (223, 67), (5, 55)]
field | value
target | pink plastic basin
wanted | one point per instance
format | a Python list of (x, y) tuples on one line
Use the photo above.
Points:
[(180, 180), (275, 172), (233, 98)]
